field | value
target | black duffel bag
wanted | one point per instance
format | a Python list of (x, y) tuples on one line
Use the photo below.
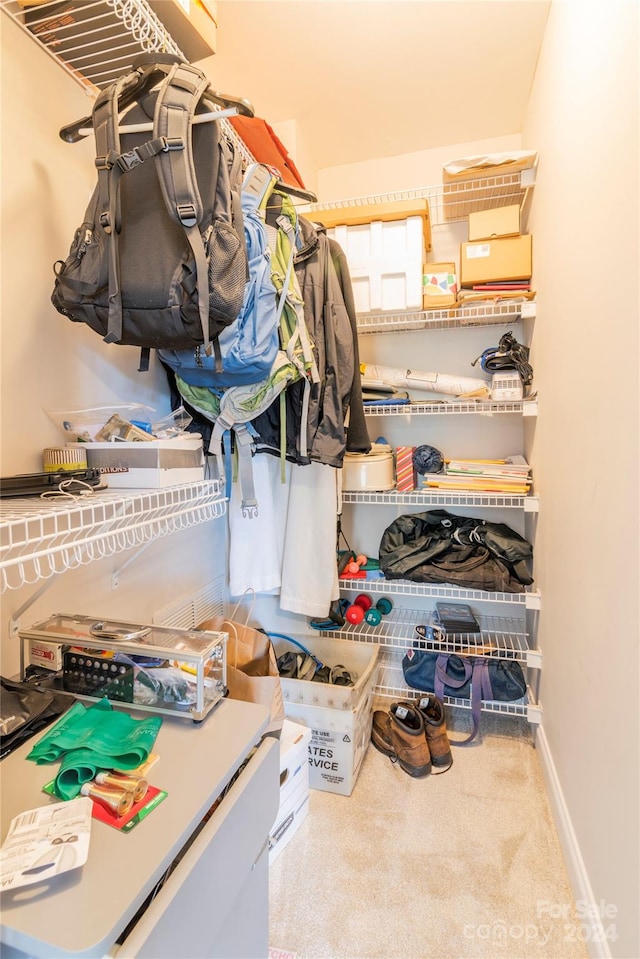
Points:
[(438, 547)]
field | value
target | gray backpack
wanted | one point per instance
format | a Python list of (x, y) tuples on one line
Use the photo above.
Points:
[(159, 261)]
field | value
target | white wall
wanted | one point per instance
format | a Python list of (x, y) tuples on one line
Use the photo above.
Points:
[(583, 118), (49, 363)]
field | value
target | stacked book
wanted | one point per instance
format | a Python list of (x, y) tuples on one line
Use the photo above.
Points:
[(510, 475)]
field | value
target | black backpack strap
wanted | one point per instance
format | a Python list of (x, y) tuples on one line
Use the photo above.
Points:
[(177, 100), (105, 125)]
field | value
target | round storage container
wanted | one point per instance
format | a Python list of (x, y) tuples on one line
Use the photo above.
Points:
[(369, 472)]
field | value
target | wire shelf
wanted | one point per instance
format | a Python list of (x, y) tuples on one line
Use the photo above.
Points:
[(530, 599), (507, 637), (391, 685), (94, 42), (455, 201), (423, 498), (453, 407), (41, 538), (507, 313)]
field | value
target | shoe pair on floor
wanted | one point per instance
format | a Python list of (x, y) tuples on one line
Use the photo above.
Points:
[(414, 735)]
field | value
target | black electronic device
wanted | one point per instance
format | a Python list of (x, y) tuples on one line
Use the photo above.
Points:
[(35, 484), (456, 618)]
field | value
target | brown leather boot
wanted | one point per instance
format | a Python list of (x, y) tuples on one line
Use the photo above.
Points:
[(400, 735), (432, 711)]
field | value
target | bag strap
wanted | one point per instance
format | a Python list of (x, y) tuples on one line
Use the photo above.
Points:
[(178, 97), (478, 671), (249, 591), (111, 165)]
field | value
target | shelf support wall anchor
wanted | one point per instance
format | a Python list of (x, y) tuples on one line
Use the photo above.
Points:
[(115, 576)]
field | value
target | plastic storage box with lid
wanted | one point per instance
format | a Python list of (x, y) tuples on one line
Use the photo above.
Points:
[(148, 465), (339, 717), (177, 672), (385, 263)]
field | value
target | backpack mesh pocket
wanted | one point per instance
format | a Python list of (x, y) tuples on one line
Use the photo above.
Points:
[(228, 274)]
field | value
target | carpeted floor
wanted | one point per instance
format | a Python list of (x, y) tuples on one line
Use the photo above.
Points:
[(465, 864)]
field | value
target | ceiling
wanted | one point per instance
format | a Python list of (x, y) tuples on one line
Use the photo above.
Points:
[(376, 78)]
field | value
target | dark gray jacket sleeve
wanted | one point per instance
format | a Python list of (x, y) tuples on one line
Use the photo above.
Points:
[(357, 434)]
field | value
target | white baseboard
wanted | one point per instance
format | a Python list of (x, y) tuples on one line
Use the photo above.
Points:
[(597, 943)]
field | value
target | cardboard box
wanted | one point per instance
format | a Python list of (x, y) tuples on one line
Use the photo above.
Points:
[(439, 285), (47, 655), (150, 465), (191, 23), (486, 261), (361, 213), (385, 263), (489, 224), (339, 717), (339, 741), (491, 182), (294, 786)]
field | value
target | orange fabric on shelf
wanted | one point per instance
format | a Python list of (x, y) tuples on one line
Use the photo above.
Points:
[(265, 147)]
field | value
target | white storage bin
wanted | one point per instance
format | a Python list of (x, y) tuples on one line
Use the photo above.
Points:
[(361, 660), (385, 263)]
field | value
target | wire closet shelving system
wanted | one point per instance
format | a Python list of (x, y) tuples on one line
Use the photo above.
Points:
[(41, 539)]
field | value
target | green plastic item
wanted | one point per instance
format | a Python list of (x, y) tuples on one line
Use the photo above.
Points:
[(86, 740)]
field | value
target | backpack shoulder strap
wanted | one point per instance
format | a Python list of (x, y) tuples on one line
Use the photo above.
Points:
[(257, 186), (111, 165), (178, 97), (107, 138)]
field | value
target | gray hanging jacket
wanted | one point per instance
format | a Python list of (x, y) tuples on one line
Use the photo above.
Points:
[(325, 285)]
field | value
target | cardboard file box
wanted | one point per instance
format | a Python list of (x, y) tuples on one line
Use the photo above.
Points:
[(490, 224), (339, 717), (294, 786), (487, 261)]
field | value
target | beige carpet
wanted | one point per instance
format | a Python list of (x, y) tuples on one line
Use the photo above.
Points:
[(465, 864)]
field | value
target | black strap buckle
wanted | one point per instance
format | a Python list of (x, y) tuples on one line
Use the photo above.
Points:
[(172, 143), (127, 161)]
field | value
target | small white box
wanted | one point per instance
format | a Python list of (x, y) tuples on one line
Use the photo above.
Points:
[(47, 655), (385, 263), (148, 465), (294, 786)]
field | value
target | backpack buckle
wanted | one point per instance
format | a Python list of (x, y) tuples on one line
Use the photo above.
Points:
[(172, 143), (106, 162), (127, 161), (187, 214)]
